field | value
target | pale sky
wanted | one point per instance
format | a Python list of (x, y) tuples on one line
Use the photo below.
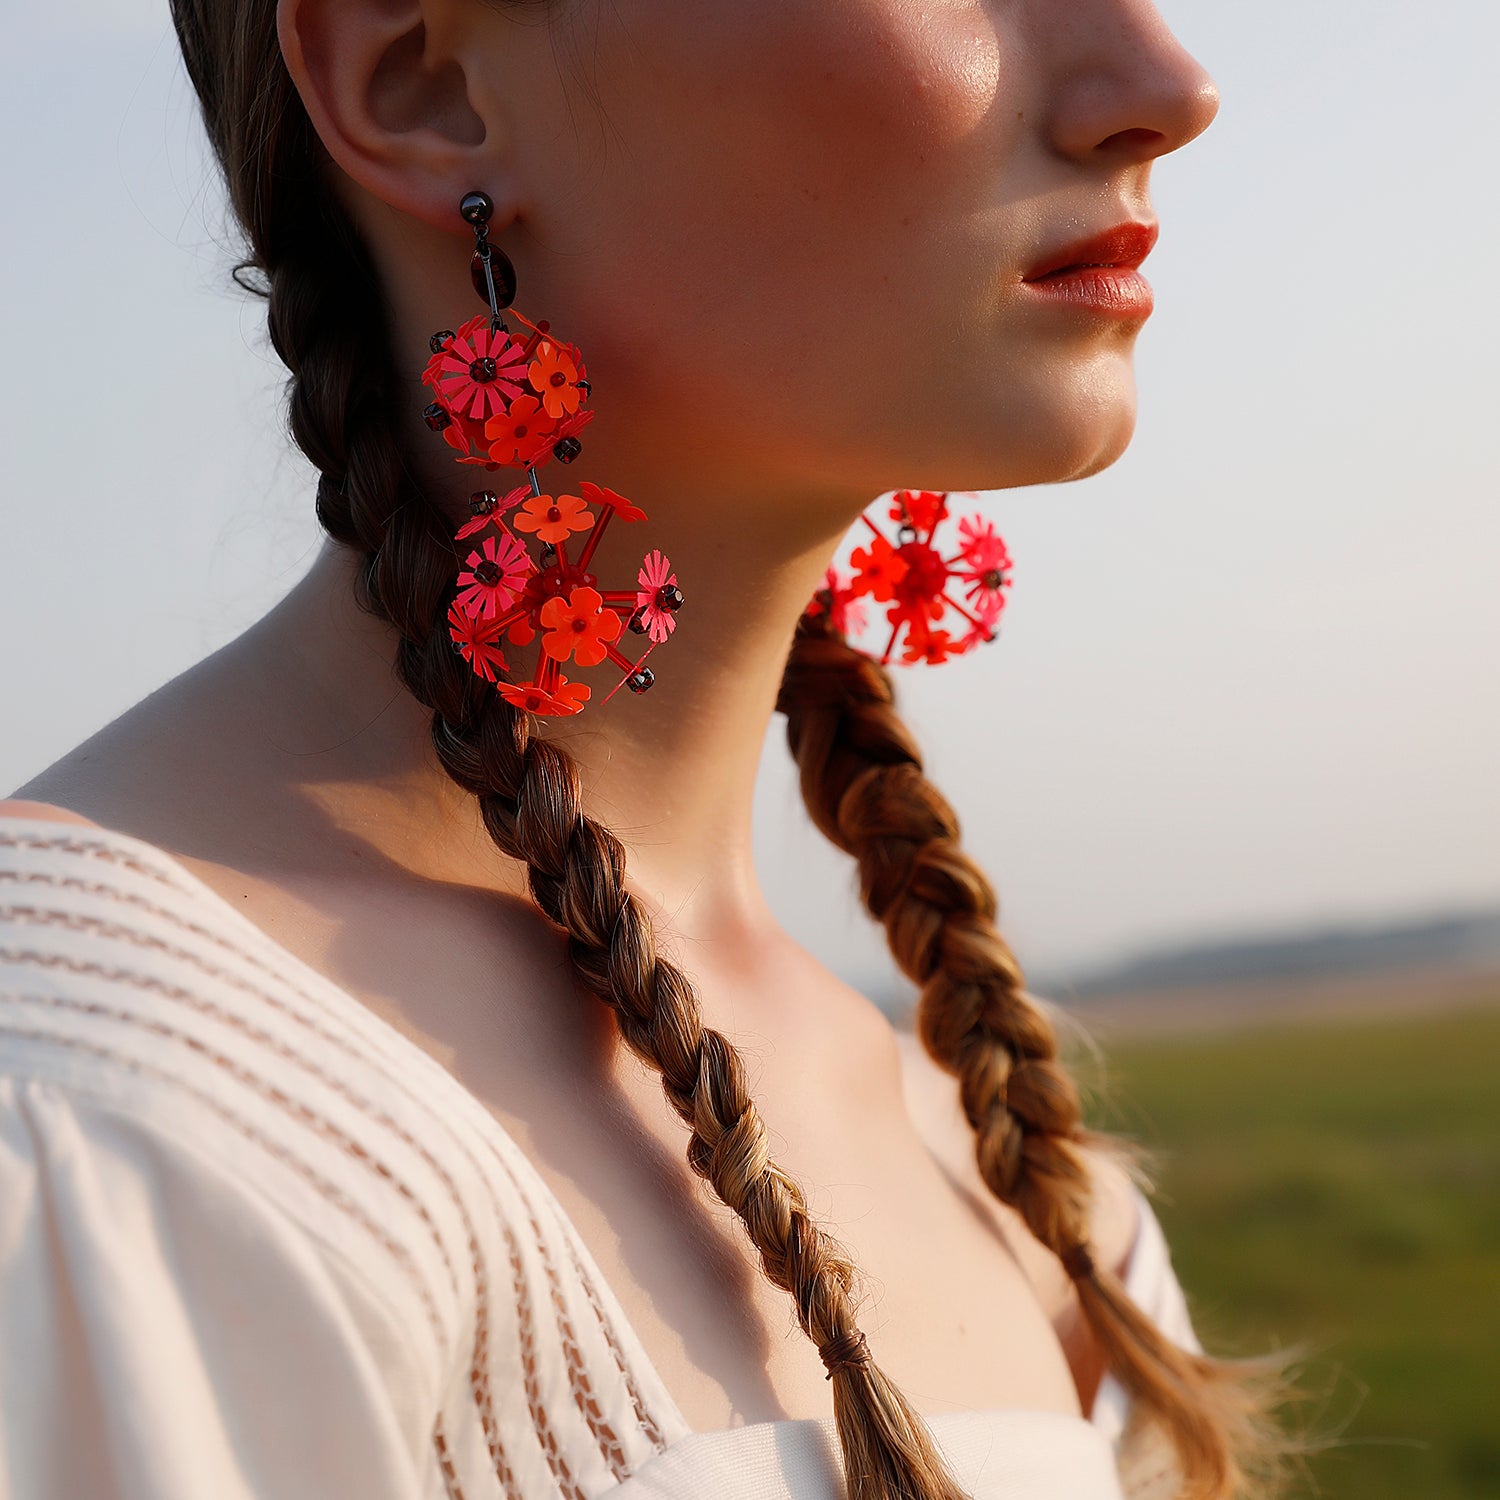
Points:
[(1248, 675)]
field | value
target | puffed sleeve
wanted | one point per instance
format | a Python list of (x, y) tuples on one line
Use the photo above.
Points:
[(1147, 1464), (169, 1332)]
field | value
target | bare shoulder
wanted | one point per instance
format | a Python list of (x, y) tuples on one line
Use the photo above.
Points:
[(932, 1100), (46, 812)]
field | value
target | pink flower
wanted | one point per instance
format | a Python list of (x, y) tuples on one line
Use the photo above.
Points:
[(659, 597), (480, 371), (987, 612), (979, 546), (477, 639), (493, 577), (483, 518), (845, 613)]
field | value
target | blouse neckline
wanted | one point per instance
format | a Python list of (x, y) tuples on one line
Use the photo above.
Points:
[(391, 1041)]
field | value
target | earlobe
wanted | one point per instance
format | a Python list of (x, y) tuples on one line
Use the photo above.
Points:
[(390, 105)]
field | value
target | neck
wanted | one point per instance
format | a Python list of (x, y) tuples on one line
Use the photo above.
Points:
[(671, 771)]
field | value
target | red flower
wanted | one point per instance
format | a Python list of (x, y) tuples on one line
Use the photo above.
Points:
[(922, 509), (877, 569), (919, 591), (469, 528), (979, 547), (457, 434), (554, 377), (477, 639), (553, 519), (846, 614), (480, 371), (493, 576), (578, 626), (520, 435), (655, 577), (597, 494), (565, 698), (926, 644)]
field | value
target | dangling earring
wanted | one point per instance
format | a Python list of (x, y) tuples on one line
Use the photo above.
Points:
[(914, 578), (515, 400)]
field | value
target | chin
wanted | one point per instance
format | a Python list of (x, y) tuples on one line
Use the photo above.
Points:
[(1064, 425), (1055, 452)]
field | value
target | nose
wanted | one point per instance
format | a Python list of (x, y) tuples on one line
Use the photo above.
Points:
[(1125, 87)]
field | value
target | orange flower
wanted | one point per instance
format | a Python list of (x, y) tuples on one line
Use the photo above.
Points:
[(554, 377), (519, 435), (578, 626), (565, 698), (598, 494), (553, 519)]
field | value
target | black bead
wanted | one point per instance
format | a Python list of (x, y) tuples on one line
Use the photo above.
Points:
[(436, 416), (487, 572), (637, 623), (669, 596), (483, 503), (482, 371), (440, 341), (548, 554), (639, 681), (476, 207), (500, 268), (991, 578), (566, 450), (585, 387)]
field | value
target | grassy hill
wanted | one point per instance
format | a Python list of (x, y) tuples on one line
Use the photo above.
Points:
[(1338, 1180)]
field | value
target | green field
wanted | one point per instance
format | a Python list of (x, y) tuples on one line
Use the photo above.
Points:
[(1339, 1182)]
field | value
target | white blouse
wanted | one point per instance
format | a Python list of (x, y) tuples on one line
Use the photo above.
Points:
[(257, 1245)]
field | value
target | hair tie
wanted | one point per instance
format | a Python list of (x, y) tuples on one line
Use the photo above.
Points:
[(844, 1351), (1077, 1261)]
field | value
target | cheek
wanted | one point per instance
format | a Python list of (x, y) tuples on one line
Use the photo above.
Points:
[(794, 184)]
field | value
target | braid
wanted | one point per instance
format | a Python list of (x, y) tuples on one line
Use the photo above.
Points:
[(864, 787), (327, 322)]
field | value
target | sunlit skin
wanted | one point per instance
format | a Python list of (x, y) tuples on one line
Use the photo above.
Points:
[(789, 238)]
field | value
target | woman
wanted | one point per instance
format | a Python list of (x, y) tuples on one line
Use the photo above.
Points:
[(326, 1171)]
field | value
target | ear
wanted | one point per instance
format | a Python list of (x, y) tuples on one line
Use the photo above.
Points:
[(386, 86)]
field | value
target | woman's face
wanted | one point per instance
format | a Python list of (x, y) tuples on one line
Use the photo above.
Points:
[(790, 236)]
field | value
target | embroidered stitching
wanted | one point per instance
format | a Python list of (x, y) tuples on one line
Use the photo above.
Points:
[(162, 913), (324, 1186), (643, 1416), (90, 847), (308, 1116), (445, 1462), (579, 1381), (478, 1369), (555, 1459)]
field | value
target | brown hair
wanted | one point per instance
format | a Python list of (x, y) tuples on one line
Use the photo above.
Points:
[(863, 784)]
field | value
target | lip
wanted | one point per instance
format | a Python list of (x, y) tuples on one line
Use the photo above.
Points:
[(1123, 247), (1098, 275)]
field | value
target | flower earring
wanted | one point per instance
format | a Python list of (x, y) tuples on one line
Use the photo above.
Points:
[(504, 399), (914, 578)]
